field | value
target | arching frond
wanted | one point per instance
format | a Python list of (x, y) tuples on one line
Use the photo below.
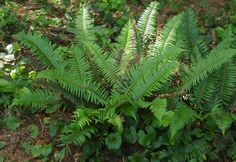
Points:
[(148, 69), (226, 87), (196, 150), (193, 44), (84, 116), (223, 119), (147, 22), (35, 99), (217, 57), (84, 34), (89, 90), (75, 135), (84, 28), (43, 49), (152, 81), (168, 35), (78, 65), (104, 63), (205, 90), (125, 50), (182, 116)]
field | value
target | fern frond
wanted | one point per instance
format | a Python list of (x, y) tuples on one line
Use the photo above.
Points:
[(193, 45), (140, 74), (217, 57), (104, 63), (205, 90), (158, 108), (182, 116), (223, 119), (35, 99), (6, 86), (152, 81), (75, 135), (78, 65), (227, 83), (84, 116), (168, 35), (125, 50), (84, 33), (88, 90), (194, 151), (147, 22), (43, 49)]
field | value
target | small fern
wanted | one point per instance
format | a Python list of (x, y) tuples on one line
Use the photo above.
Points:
[(36, 99)]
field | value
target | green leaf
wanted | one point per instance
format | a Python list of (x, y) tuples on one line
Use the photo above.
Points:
[(182, 116), (146, 139), (1, 158), (60, 155), (2, 144), (46, 150), (117, 122), (53, 128), (137, 157), (52, 108), (12, 123), (130, 134), (223, 119), (147, 22), (33, 130), (113, 141), (36, 150), (129, 110), (6, 86), (159, 108), (26, 147), (156, 143)]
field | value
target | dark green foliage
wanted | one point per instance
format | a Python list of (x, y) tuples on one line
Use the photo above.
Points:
[(158, 90)]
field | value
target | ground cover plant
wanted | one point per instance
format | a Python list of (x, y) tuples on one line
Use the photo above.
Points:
[(152, 94)]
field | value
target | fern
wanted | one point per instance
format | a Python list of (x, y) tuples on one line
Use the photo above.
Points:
[(223, 119), (194, 151), (42, 48), (74, 135), (227, 83), (193, 43), (84, 34), (84, 116), (205, 90), (35, 99), (135, 73), (103, 61), (125, 51), (217, 57), (168, 35), (183, 116), (158, 108), (88, 90), (143, 77), (153, 81), (78, 65), (147, 22)]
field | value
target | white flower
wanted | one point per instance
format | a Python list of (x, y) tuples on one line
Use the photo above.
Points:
[(2, 55), (9, 48), (1, 65), (13, 71), (9, 57)]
